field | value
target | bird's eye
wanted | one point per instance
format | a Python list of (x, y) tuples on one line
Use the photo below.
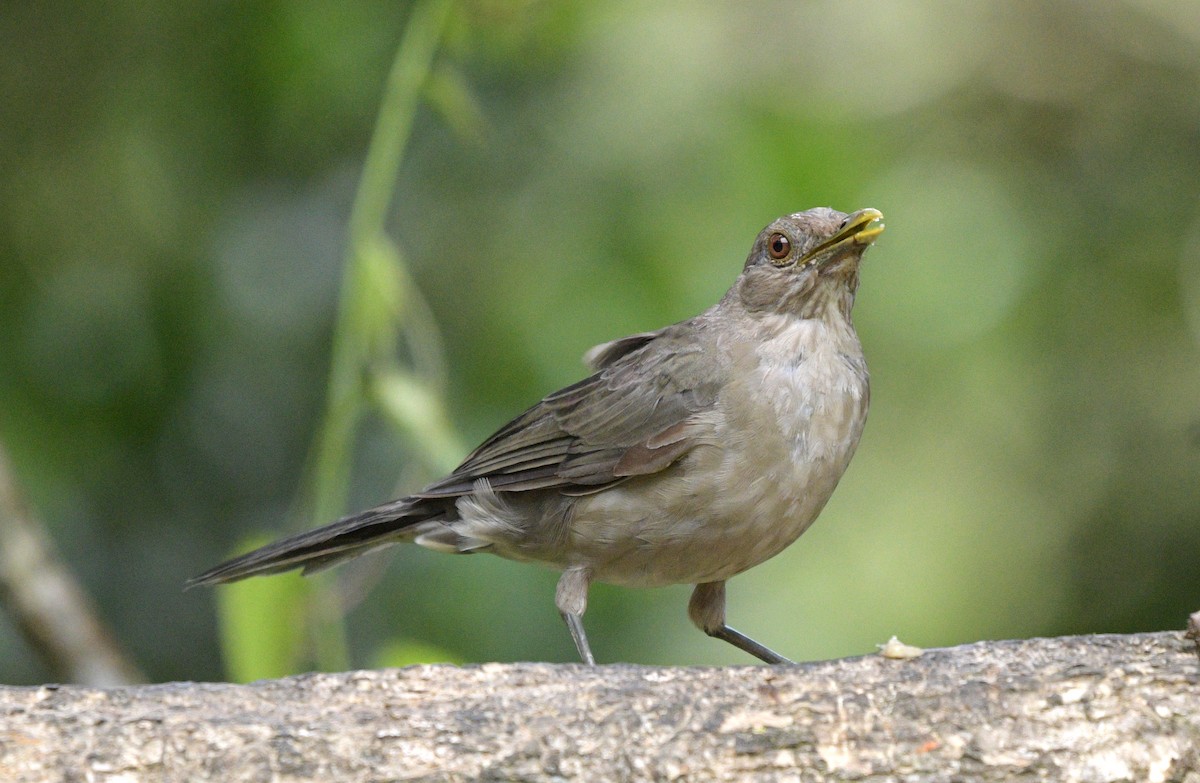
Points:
[(778, 246)]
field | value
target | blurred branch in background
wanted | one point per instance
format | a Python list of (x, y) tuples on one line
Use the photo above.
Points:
[(51, 609), (379, 307)]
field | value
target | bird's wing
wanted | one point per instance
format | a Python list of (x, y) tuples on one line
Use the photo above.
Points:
[(607, 353), (637, 415)]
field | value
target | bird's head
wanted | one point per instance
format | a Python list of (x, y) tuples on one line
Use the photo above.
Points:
[(803, 263)]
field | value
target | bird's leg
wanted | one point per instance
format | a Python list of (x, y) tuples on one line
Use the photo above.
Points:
[(707, 611), (571, 600)]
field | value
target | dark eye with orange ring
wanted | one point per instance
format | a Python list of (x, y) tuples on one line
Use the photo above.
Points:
[(778, 246)]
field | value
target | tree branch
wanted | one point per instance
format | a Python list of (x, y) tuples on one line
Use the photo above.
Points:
[(1094, 708), (54, 613)]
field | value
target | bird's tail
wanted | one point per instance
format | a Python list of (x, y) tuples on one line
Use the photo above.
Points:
[(326, 546)]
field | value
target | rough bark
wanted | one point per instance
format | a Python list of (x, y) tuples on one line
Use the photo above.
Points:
[(1094, 708)]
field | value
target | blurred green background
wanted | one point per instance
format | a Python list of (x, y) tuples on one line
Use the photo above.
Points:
[(176, 184)]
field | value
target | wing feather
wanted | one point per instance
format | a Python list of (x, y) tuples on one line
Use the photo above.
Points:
[(638, 414)]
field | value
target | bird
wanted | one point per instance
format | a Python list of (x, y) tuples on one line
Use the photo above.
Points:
[(690, 454)]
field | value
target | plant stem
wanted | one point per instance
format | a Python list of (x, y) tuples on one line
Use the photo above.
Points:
[(355, 334)]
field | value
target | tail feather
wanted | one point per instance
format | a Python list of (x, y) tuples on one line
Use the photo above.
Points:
[(326, 546)]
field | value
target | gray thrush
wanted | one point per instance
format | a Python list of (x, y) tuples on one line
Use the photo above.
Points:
[(691, 454)]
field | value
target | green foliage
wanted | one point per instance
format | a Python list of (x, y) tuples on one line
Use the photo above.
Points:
[(371, 313), (263, 625), (246, 248), (419, 414), (397, 654)]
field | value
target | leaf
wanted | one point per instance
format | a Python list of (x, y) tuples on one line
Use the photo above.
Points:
[(419, 413), (448, 94), (262, 625), (399, 653)]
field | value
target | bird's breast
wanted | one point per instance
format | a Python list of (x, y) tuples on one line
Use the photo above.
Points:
[(810, 382), (793, 422)]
